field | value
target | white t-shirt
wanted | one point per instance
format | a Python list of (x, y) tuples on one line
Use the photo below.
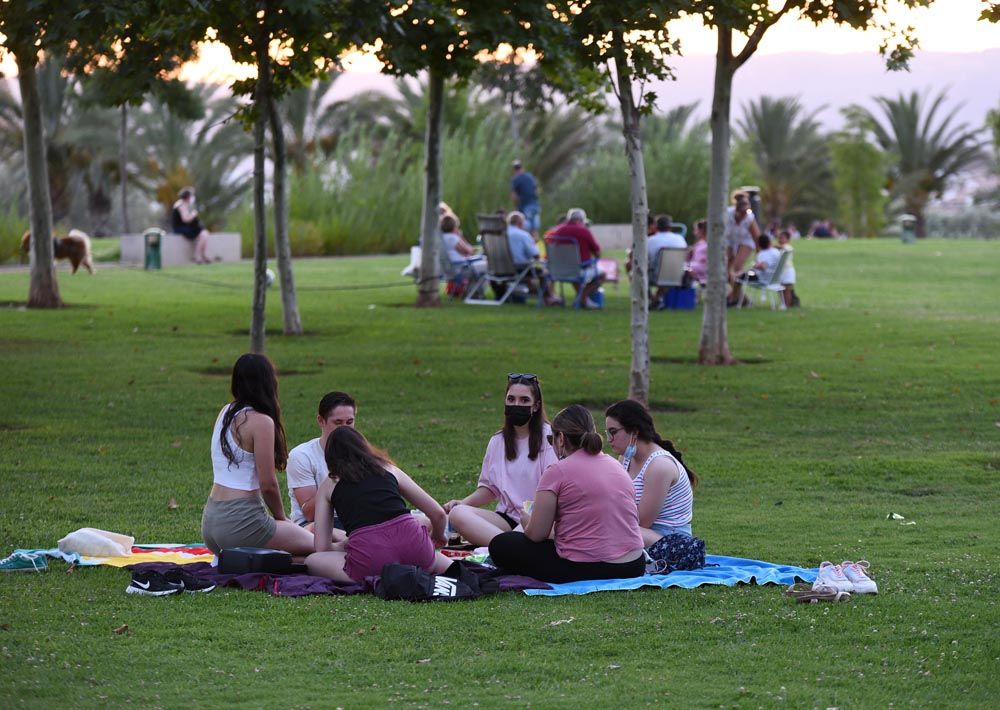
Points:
[(770, 258), (450, 241), (663, 240), (306, 467), (738, 234)]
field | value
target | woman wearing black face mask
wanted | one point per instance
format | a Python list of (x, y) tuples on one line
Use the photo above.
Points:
[(514, 461)]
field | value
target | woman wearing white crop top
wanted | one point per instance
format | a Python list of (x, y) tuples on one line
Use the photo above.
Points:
[(248, 443), (663, 483)]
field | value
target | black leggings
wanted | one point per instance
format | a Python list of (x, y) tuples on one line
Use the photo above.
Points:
[(514, 553)]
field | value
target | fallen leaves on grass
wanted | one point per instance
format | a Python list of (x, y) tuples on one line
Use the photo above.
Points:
[(123, 629), (177, 443), (423, 660), (4, 627), (172, 504), (71, 569), (813, 375)]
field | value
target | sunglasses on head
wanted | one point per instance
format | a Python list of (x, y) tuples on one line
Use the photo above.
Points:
[(521, 377)]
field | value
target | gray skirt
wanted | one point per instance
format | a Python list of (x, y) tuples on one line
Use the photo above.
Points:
[(243, 522)]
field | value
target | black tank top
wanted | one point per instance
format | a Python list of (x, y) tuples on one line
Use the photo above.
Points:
[(373, 500)]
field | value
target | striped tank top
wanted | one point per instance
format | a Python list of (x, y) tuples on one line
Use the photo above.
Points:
[(679, 503)]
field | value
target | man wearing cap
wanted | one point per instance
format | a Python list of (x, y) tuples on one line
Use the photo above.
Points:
[(524, 192)]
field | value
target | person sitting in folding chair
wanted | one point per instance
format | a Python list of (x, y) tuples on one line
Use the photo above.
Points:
[(767, 260), (462, 255), (591, 277), (662, 238), (524, 251)]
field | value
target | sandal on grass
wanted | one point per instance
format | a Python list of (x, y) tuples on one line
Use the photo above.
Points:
[(806, 594)]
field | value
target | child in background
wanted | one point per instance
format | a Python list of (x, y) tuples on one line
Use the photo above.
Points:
[(788, 275)]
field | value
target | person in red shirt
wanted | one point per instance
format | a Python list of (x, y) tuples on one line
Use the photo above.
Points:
[(575, 228)]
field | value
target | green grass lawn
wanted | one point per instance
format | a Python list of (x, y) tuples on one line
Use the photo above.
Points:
[(880, 395)]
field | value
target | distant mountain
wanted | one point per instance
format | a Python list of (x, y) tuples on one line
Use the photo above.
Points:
[(831, 80)]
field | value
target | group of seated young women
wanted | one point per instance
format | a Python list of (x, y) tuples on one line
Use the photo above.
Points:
[(565, 511)]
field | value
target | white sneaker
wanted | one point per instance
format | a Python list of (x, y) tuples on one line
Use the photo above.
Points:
[(831, 575), (857, 572)]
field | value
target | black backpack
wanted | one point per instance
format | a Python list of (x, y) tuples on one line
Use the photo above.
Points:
[(414, 584)]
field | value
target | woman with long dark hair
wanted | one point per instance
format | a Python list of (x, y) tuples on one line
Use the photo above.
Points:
[(583, 524), (663, 483), (514, 461), (369, 493), (248, 444)]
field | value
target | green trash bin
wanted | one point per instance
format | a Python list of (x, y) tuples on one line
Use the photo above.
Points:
[(908, 225), (152, 239)]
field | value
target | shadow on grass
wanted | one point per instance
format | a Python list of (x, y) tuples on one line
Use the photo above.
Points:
[(66, 306), (663, 406), (693, 360), (278, 333), (227, 371)]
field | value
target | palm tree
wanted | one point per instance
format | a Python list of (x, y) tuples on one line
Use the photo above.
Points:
[(208, 153), (791, 156), (924, 152), (79, 146), (310, 122)]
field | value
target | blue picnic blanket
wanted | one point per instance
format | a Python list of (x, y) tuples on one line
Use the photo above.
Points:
[(730, 572)]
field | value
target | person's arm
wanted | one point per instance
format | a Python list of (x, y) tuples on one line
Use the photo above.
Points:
[(543, 515), (478, 498), (305, 496), (423, 502), (464, 248), (755, 231), (595, 247), (261, 430), (660, 475), (323, 530), (187, 214)]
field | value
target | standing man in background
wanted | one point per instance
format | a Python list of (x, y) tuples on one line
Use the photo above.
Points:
[(524, 192)]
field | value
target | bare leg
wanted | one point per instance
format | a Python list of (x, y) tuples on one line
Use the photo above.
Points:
[(290, 537), (329, 565), (201, 247), (476, 525), (441, 564)]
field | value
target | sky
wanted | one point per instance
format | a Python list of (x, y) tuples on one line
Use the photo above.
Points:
[(947, 26)]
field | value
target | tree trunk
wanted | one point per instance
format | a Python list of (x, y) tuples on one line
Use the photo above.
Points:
[(260, 99), (713, 348), (123, 167), (43, 291), (282, 245), (429, 290), (638, 385)]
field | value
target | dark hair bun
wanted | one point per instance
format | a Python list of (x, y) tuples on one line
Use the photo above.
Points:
[(592, 443)]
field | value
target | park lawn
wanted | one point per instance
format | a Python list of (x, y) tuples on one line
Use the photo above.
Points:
[(879, 395)]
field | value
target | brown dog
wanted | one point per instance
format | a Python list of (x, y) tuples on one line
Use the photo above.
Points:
[(75, 246)]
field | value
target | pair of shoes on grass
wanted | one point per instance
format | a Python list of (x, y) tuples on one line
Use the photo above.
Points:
[(847, 577), (155, 584), (24, 562)]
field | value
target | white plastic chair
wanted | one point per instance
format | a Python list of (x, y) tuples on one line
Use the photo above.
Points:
[(770, 289)]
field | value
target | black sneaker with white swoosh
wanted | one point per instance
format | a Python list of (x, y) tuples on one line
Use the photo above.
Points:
[(152, 584)]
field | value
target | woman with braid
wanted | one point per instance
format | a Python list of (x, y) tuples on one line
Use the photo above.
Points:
[(663, 484)]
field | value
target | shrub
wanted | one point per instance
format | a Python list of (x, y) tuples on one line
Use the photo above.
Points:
[(12, 225)]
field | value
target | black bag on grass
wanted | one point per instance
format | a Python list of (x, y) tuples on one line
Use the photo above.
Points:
[(242, 560), (414, 584)]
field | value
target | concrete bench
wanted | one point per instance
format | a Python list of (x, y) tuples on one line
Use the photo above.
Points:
[(175, 250)]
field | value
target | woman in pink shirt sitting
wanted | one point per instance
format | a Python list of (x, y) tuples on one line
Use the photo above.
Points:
[(584, 523), (514, 461), (698, 263)]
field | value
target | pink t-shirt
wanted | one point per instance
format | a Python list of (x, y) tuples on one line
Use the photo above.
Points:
[(699, 261), (596, 516), (513, 482)]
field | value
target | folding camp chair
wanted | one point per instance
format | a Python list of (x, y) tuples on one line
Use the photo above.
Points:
[(459, 276), (769, 289), (500, 269), (565, 266), (668, 267)]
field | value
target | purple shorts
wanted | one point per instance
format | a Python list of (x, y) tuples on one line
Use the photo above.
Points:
[(402, 539)]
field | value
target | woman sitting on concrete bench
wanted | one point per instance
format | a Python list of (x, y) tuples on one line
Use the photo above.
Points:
[(184, 221)]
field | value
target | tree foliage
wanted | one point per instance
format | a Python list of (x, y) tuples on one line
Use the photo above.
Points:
[(926, 148)]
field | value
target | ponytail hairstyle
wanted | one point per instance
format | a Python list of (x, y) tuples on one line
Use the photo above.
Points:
[(536, 424), (254, 384), (577, 426), (635, 419), (350, 457)]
